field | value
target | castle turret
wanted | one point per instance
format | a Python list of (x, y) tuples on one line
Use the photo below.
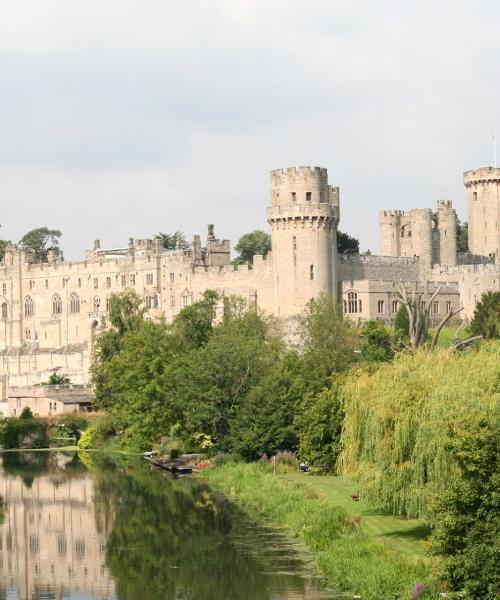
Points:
[(483, 211), (421, 234), (447, 226), (303, 217), (390, 236)]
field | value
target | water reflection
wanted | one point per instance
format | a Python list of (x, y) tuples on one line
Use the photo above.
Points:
[(96, 527)]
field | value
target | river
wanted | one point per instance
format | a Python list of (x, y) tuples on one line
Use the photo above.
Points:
[(95, 526)]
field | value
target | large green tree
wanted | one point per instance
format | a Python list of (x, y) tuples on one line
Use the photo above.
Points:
[(467, 511), (328, 341), (250, 244), (41, 241), (486, 319)]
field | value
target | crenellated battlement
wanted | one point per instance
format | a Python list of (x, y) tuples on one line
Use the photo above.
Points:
[(481, 175), (444, 204)]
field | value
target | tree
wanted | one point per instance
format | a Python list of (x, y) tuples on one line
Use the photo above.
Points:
[(319, 425), (377, 343), (462, 237), (250, 244), (171, 241), (194, 323), (419, 318), (213, 380), (3, 246), (328, 341), (467, 511), (56, 379), (41, 241), (486, 319), (347, 244)]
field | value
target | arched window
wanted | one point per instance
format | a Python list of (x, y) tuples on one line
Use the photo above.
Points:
[(184, 299), (28, 306), (74, 303), (27, 334), (56, 305), (97, 303), (352, 302), (108, 303), (4, 310)]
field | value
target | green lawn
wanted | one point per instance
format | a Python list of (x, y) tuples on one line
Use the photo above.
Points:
[(403, 535)]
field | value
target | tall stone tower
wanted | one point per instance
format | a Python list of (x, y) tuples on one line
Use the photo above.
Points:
[(303, 217), (447, 227), (483, 211)]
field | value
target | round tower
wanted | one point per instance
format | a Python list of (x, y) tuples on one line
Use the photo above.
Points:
[(303, 217), (483, 211), (447, 226), (422, 230)]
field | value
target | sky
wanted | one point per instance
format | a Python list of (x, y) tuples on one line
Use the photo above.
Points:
[(123, 118)]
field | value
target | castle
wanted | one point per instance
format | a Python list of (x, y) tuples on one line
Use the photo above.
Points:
[(52, 311)]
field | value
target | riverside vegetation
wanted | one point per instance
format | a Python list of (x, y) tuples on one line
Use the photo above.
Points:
[(415, 431)]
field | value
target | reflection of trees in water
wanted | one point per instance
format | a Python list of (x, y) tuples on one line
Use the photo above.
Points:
[(174, 539), (29, 465)]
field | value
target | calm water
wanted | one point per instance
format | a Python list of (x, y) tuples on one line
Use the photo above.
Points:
[(86, 527)]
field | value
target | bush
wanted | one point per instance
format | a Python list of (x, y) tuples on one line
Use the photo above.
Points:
[(99, 433), (24, 432)]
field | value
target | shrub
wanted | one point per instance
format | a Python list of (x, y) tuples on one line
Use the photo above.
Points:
[(98, 433), (24, 432), (486, 319)]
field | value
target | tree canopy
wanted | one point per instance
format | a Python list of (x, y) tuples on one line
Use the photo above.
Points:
[(347, 244), (486, 319), (3, 246), (250, 244), (462, 237), (41, 241), (170, 241)]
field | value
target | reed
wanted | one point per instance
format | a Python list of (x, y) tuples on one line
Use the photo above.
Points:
[(343, 552)]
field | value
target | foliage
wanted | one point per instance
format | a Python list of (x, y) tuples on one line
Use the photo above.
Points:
[(170, 241), (24, 432), (3, 247), (467, 512), (397, 418), (462, 237), (214, 379), (319, 424), (377, 343), (57, 379), (265, 422), (328, 341), (250, 244), (194, 323), (98, 433), (343, 553), (41, 241), (347, 244), (486, 319), (126, 312)]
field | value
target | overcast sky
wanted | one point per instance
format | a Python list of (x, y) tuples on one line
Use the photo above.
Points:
[(123, 118)]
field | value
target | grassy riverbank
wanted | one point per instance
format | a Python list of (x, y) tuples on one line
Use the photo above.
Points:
[(351, 546)]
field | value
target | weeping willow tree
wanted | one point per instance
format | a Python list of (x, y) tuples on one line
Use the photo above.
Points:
[(398, 418)]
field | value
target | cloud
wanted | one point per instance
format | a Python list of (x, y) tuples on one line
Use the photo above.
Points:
[(131, 115)]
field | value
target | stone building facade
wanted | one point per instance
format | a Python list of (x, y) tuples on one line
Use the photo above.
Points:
[(51, 312)]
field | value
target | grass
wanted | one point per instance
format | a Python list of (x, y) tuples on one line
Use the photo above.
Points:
[(448, 334), (402, 535), (354, 548)]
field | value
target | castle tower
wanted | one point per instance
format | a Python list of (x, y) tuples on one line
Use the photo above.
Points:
[(390, 226), (421, 234), (303, 217), (483, 211), (447, 227)]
